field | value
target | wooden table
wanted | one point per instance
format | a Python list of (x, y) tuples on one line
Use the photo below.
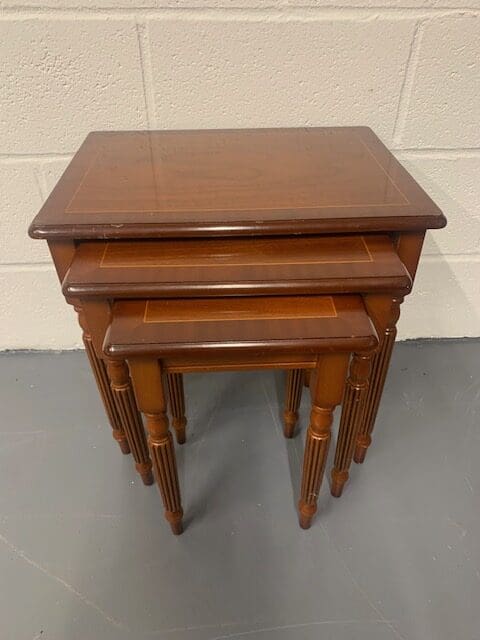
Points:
[(171, 335), (260, 186)]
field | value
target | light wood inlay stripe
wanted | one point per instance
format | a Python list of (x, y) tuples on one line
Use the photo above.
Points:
[(160, 199), (267, 255), (237, 309)]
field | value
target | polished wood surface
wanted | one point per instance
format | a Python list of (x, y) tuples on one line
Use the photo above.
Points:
[(279, 324), (151, 397), (349, 325), (351, 421), (239, 266), (148, 184), (103, 383), (131, 419), (293, 396), (381, 362), (176, 401), (327, 391), (155, 215), (114, 386)]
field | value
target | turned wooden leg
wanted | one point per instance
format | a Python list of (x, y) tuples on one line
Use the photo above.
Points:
[(149, 390), (176, 398), (163, 456), (293, 396), (380, 363), (103, 384), (356, 390), (326, 394), (131, 418)]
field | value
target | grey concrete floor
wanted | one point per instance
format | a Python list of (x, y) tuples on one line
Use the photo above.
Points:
[(85, 552)]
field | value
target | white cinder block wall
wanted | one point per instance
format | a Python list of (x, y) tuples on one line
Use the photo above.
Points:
[(410, 69)]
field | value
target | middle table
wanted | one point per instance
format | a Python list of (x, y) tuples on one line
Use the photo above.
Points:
[(102, 272)]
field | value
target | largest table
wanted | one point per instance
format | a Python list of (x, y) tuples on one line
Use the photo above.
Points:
[(252, 183)]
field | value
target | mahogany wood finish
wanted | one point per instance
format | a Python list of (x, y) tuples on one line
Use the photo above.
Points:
[(326, 394), (409, 247), (103, 384), (202, 214), (96, 314), (237, 266), (131, 419), (255, 333), (147, 184), (233, 267), (351, 421), (293, 396), (277, 325), (176, 400), (63, 252), (150, 392), (381, 361)]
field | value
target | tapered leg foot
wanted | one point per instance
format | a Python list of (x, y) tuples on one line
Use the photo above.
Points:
[(305, 514), (145, 472), (327, 387), (363, 442), (179, 428), (176, 398), (165, 465), (122, 443), (339, 478), (351, 420), (176, 522), (316, 451), (290, 421), (131, 418), (293, 398), (150, 392)]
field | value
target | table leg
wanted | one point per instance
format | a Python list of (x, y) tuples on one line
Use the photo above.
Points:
[(131, 419), (293, 396), (307, 374), (103, 384), (176, 400), (327, 391), (356, 390), (150, 392), (381, 361)]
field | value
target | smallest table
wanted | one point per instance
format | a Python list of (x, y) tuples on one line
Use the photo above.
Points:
[(307, 332)]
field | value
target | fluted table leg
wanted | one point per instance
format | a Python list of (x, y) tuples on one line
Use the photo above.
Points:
[(176, 398), (354, 398), (131, 418), (103, 384), (293, 396), (381, 361), (163, 456), (326, 394), (150, 393)]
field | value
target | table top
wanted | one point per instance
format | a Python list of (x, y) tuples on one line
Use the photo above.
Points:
[(245, 181), (304, 324), (192, 267)]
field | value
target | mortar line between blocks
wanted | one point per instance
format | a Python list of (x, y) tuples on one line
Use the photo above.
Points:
[(407, 84), (143, 37), (275, 12)]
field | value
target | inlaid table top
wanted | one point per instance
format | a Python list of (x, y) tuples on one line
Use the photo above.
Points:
[(222, 182), (303, 324), (236, 266)]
